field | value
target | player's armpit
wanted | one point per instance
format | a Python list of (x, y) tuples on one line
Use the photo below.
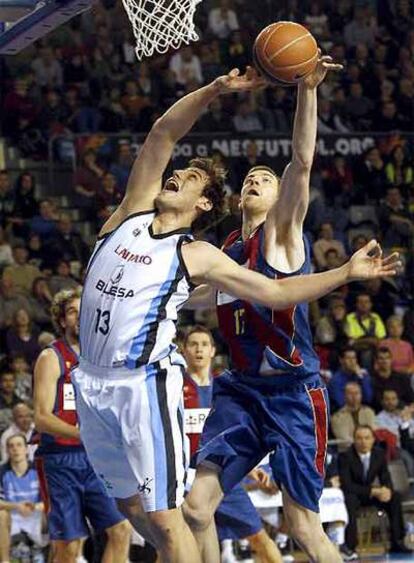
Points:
[(201, 298)]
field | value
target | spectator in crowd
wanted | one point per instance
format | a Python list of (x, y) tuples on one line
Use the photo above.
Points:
[(10, 302), (358, 107), (25, 205), (22, 377), (246, 119), (37, 251), (326, 241), (22, 424), (133, 103), (338, 182), (19, 110), (47, 69), (352, 414), (67, 243), (223, 20), (407, 429), (216, 120), (359, 468), (62, 278), (107, 198), (383, 296), (401, 350), (396, 222), (385, 378), (330, 328), (8, 398), (21, 337), (39, 303), (21, 273), (370, 175), (6, 256), (87, 179), (349, 372), (329, 120), (361, 29), (122, 167), (399, 170), (44, 224), (20, 499), (6, 196), (363, 326), (186, 66), (390, 418)]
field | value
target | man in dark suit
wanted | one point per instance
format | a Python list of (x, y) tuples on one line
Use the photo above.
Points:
[(365, 481)]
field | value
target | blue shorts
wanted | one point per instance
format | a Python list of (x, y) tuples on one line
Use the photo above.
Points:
[(252, 417), (72, 492), (236, 517)]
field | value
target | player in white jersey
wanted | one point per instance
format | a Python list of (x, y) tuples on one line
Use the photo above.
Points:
[(129, 379)]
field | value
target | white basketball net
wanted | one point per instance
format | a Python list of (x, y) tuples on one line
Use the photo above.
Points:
[(161, 24)]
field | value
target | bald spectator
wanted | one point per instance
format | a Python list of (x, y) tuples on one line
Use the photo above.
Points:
[(325, 242), (385, 378), (352, 414), (222, 21), (21, 273), (10, 302), (22, 424)]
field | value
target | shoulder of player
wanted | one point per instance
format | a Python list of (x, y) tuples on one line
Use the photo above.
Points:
[(47, 359)]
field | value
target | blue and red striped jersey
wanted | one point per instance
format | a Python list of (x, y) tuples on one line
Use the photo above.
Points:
[(260, 340), (64, 407)]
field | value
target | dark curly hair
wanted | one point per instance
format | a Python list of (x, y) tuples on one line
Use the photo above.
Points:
[(214, 191)]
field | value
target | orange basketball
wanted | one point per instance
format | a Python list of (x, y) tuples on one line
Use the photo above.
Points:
[(285, 52)]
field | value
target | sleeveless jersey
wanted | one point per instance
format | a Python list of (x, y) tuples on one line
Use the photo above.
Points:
[(135, 283), (197, 403), (64, 407), (260, 340)]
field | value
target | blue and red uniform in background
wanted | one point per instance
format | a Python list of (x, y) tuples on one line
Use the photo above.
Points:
[(272, 401), (70, 489), (236, 517)]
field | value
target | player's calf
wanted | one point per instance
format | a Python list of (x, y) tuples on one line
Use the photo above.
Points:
[(65, 551), (117, 547)]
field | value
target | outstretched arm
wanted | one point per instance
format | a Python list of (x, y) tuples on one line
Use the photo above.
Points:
[(285, 220), (145, 180), (207, 264)]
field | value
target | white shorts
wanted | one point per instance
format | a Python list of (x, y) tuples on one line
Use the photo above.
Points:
[(131, 423)]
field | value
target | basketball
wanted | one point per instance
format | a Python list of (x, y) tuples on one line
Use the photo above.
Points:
[(285, 52)]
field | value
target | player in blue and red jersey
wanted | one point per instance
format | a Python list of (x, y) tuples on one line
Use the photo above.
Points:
[(273, 401), (70, 489), (236, 517)]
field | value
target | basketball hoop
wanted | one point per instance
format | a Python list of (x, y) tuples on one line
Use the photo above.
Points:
[(159, 25)]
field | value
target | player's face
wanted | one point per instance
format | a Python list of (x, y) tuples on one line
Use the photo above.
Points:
[(183, 191), (71, 321), (199, 351), (364, 440), (259, 192), (17, 449)]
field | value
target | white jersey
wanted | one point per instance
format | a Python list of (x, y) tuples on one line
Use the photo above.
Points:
[(135, 283)]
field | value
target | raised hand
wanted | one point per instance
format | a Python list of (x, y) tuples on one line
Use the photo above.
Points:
[(368, 263), (236, 82), (325, 64)]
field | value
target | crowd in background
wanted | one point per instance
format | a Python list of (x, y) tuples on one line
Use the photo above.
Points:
[(84, 78)]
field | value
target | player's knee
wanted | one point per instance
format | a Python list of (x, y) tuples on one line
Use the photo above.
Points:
[(120, 533), (197, 517), (256, 540), (67, 551), (302, 533)]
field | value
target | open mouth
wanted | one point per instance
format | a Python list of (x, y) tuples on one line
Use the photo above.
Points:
[(171, 185), (253, 191)]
